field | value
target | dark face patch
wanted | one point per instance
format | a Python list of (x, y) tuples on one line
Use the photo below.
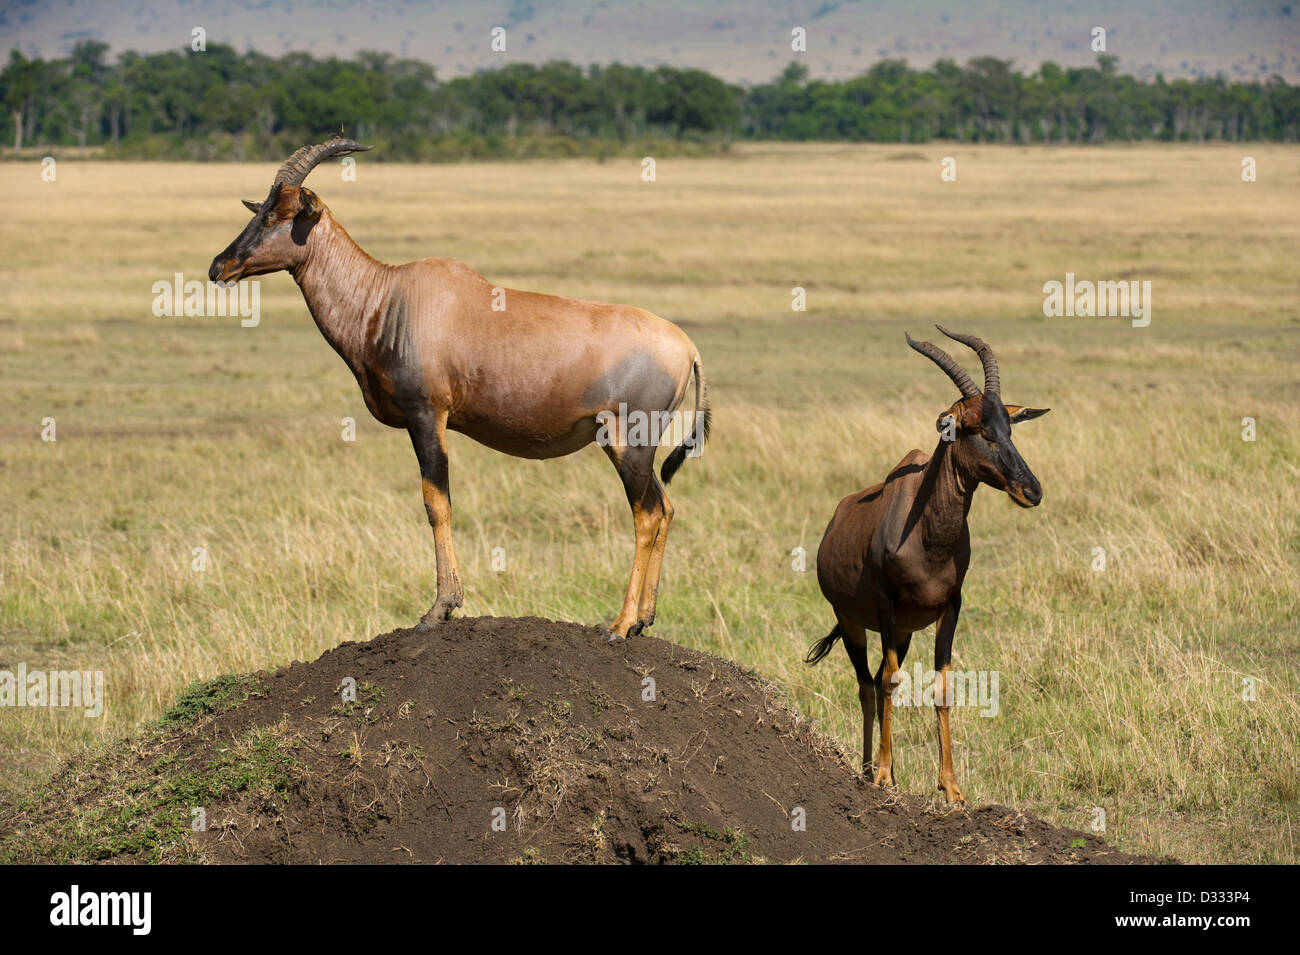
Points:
[(995, 423), (987, 445), (249, 239), (281, 211)]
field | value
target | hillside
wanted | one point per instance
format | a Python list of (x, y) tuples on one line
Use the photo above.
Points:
[(746, 42)]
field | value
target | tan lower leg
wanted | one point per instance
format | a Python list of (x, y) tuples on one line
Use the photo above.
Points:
[(647, 524), (947, 776), (650, 589), (438, 506), (884, 756)]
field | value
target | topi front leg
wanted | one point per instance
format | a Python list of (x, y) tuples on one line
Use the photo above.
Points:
[(943, 697), (428, 430)]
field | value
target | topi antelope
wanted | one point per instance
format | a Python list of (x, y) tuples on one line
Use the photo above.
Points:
[(434, 350), (894, 556)]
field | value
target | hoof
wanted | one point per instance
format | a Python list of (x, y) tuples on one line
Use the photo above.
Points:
[(439, 612), (883, 778), (953, 795), (613, 636)]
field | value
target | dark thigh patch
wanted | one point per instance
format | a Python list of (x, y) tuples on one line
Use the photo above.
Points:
[(636, 380)]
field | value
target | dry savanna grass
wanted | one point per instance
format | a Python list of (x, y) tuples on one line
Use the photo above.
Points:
[(1120, 689)]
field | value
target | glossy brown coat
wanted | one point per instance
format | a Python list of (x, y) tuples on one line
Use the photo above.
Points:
[(895, 555)]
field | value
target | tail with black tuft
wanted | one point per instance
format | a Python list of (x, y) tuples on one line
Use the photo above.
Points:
[(823, 646), (700, 426)]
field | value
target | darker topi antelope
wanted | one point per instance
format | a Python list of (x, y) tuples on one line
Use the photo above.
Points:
[(894, 556), (435, 348)]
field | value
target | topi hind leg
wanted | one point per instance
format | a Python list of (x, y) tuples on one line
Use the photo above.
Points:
[(855, 642), (635, 467), (889, 666), (428, 430), (650, 588)]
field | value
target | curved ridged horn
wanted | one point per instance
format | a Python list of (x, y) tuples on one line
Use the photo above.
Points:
[(947, 363), (992, 384), (296, 167)]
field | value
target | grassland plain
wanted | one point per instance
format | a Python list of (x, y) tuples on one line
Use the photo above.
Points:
[(1120, 689)]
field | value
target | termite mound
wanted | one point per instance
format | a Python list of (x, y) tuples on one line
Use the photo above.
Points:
[(492, 740)]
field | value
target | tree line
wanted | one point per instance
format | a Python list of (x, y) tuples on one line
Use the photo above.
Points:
[(219, 103)]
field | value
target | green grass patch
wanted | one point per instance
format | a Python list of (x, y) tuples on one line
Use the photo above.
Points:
[(206, 697), (716, 847), (138, 799)]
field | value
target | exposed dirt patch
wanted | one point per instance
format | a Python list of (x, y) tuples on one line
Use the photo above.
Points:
[(502, 740)]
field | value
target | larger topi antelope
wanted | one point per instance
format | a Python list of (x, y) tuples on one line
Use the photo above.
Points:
[(894, 556), (537, 377)]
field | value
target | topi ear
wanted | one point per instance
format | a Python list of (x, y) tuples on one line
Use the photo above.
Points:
[(310, 203), (251, 205), (1019, 414)]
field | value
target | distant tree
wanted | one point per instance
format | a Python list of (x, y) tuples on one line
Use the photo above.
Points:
[(18, 85), (86, 81)]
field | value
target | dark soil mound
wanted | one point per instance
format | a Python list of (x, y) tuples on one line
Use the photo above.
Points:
[(502, 740)]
